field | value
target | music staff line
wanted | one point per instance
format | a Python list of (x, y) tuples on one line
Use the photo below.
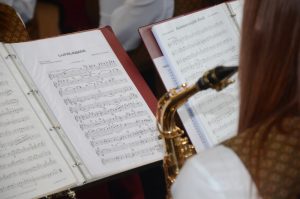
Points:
[(23, 149), (6, 93), (215, 108), (100, 65), (114, 128), (85, 70), (115, 118), (31, 180), (100, 94), (87, 79), (89, 87), (7, 133), (25, 160), (19, 140), (104, 112), (106, 103), (9, 102), (221, 126), (214, 56), (126, 156), (11, 111), (186, 47), (178, 40), (14, 121), (118, 138), (38, 166), (201, 51), (116, 148)]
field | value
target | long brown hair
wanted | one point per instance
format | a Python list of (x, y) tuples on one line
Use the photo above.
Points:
[(269, 64)]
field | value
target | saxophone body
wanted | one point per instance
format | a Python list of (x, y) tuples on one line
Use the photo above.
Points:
[(178, 148)]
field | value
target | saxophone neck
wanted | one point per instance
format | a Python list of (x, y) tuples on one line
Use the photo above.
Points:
[(177, 145), (169, 104), (217, 78)]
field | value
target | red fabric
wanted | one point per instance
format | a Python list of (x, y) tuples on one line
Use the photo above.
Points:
[(129, 187), (74, 17), (94, 192)]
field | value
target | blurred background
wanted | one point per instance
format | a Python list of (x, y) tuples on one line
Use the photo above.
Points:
[(54, 17)]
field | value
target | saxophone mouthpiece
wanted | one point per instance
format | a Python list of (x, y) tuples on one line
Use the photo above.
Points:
[(217, 78)]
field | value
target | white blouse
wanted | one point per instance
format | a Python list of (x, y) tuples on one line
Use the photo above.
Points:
[(126, 16), (217, 173), (24, 7)]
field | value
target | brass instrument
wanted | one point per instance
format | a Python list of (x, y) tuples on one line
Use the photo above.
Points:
[(177, 146)]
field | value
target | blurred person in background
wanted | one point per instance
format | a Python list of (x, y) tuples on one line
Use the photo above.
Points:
[(25, 8), (126, 16)]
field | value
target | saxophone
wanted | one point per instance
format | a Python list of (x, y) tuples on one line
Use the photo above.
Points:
[(177, 146)]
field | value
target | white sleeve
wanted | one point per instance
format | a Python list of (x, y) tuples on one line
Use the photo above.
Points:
[(25, 8), (214, 173), (133, 14)]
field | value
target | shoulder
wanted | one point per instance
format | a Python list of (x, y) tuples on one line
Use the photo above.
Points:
[(214, 173), (271, 155)]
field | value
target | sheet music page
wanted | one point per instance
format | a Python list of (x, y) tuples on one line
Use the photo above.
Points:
[(193, 44), (236, 8), (97, 104), (30, 164), (164, 68)]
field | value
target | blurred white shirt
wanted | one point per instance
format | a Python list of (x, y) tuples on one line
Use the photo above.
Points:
[(126, 16), (216, 173), (24, 7)]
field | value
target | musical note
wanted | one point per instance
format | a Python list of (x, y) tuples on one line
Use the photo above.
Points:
[(113, 119), (101, 65), (105, 104), (91, 86), (25, 160), (118, 138), (20, 130), (25, 181), (37, 167), (14, 121), (19, 140), (86, 79), (116, 127), (126, 156), (116, 148), (98, 95), (106, 107), (6, 93), (192, 50), (9, 102), (28, 155), (24, 149), (11, 111)]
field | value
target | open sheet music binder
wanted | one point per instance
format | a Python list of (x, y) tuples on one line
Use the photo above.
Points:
[(73, 109), (182, 49)]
